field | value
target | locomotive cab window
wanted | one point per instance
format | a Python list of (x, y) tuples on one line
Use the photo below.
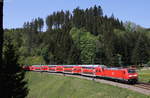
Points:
[(131, 71)]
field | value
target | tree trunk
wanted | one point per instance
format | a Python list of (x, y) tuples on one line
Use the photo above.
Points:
[(1, 30)]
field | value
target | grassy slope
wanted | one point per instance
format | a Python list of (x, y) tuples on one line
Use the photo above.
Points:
[(144, 75), (52, 86)]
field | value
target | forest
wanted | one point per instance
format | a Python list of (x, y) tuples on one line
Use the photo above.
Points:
[(81, 36)]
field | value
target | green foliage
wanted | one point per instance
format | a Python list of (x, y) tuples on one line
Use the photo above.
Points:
[(144, 75), (23, 51), (86, 42), (148, 63), (132, 27), (31, 60), (83, 36), (15, 35), (141, 50), (12, 75), (45, 54)]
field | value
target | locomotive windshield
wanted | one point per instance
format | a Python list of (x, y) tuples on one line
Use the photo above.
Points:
[(131, 71)]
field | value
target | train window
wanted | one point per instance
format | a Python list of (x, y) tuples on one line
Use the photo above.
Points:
[(52, 66), (68, 67), (131, 71)]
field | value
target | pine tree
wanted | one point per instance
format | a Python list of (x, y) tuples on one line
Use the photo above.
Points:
[(140, 52), (12, 77)]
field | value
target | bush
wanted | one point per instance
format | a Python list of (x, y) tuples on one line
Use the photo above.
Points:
[(32, 60), (148, 63)]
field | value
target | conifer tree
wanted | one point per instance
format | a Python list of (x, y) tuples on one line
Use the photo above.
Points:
[(140, 52), (12, 77)]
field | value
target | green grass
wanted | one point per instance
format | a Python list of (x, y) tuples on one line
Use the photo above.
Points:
[(144, 75), (43, 85)]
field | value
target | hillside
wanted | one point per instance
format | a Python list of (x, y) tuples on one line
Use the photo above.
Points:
[(81, 36), (43, 85)]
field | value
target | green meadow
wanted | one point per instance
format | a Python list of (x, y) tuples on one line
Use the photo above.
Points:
[(144, 75), (43, 85)]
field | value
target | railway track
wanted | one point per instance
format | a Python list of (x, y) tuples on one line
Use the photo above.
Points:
[(143, 85)]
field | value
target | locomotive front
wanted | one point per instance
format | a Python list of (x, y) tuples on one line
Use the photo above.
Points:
[(132, 75)]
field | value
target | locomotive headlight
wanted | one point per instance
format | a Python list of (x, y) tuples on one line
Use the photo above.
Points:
[(135, 75), (132, 75)]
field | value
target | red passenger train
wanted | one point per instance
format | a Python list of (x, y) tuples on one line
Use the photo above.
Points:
[(125, 74)]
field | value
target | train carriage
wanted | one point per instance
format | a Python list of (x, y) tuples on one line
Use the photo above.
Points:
[(88, 70), (77, 69), (59, 68), (32, 68), (44, 68), (52, 68), (68, 68), (26, 68), (37, 67), (125, 74)]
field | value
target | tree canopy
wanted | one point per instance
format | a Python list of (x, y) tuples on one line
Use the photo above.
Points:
[(83, 36)]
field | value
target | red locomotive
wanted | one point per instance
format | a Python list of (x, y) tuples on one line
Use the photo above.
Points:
[(125, 74)]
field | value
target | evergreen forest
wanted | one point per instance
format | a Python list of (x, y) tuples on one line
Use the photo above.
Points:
[(81, 36)]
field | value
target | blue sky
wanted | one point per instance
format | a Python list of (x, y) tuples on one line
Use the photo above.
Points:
[(16, 12)]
